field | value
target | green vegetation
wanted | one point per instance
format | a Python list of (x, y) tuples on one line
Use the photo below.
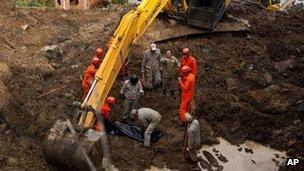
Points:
[(35, 3)]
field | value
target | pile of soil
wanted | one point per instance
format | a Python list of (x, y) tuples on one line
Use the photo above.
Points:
[(250, 85)]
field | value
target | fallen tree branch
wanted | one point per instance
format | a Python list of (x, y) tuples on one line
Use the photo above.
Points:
[(51, 91), (8, 42)]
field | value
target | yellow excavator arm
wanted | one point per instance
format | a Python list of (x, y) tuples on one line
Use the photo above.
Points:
[(131, 27)]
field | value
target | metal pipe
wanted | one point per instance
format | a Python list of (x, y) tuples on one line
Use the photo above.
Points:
[(90, 92)]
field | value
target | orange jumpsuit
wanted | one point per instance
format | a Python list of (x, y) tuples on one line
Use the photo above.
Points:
[(123, 70), (190, 62), (105, 111), (88, 79), (187, 85)]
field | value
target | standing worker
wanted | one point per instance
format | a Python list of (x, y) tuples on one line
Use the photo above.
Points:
[(130, 92), (88, 77), (193, 137), (150, 66), (188, 60), (149, 118), (105, 112), (169, 65), (187, 86)]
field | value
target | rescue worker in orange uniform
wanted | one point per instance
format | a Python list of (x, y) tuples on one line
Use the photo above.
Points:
[(188, 60), (88, 77), (187, 86), (105, 112)]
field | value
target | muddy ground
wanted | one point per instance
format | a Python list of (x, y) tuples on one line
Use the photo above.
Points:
[(250, 84)]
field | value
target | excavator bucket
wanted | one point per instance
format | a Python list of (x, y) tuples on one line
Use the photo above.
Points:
[(166, 30), (205, 14), (196, 18), (61, 149)]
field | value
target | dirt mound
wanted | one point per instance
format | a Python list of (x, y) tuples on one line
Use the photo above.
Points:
[(230, 66)]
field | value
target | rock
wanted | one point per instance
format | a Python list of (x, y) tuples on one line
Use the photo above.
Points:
[(219, 168), (291, 142), (236, 106), (283, 65), (300, 106), (276, 98), (5, 71), (204, 164), (3, 160), (11, 161), (223, 159), (52, 53), (232, 83), (211, 159), (268, 77), (2, 128), (257, 78), (32, 20), (240, 149), (277, 156), (236, 125), (247, 150), (207, 133), (25, 26), (4, 94)]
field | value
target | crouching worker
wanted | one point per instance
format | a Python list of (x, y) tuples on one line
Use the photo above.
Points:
[(193, 138), (105, 112), (149, 118)]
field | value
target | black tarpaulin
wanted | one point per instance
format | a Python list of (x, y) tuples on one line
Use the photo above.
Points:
[(133, 131)]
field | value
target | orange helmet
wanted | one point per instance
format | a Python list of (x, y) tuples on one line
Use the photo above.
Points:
[(95, 61), (185, 51), (99, 52), (110, 100), (185, 70)]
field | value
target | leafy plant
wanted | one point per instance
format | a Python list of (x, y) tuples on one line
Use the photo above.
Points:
[(35, 3)]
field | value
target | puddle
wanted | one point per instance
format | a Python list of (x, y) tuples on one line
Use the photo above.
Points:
[(250, 156)]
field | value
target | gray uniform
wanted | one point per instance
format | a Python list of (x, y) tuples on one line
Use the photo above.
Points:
[(131, 93), (150, 118), (150, 66), (194, 138), (169, 73)]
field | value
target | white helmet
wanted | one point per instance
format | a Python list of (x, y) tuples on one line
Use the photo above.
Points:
[(153, 46), (188, 117), (133, 113)]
